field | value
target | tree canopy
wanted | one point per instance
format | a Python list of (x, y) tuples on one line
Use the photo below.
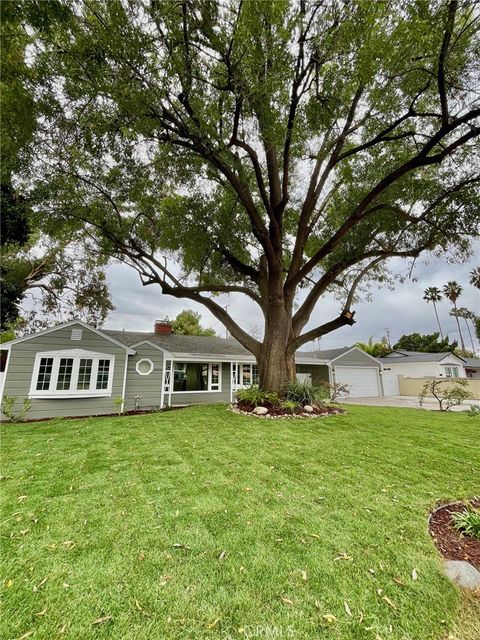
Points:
[(51, 264), (187, 323), (429, 343), (278, 150)]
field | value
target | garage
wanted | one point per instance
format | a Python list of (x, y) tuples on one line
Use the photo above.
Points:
[(363, 382)]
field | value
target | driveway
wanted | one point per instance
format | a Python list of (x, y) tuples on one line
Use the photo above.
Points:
[(405, 401)]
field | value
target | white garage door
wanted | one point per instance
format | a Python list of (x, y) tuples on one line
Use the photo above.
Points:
[(362, 381)]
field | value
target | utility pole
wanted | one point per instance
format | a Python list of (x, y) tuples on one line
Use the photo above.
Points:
[(387, 333)]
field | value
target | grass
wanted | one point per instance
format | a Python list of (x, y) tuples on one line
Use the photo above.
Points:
[(204, 524)]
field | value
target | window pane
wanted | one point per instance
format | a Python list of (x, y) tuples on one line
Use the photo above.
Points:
[(102, 374), (64, 374), (215, 376), (190, 376), (255, 376), (247, 375), (44, 374), (84, 373)]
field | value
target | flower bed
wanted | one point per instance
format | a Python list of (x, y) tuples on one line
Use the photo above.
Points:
[(275, 411)]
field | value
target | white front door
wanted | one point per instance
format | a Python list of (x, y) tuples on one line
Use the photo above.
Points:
[(363, 382), (390, 383)]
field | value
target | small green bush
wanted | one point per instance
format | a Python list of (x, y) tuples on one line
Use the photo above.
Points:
[(290, 406), (304, 393), (468, 522), (474, 411), (255, 396), (8, 405)]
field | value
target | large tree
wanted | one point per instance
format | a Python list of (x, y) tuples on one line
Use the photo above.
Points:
[(280, 150), (49, 272), (187, 323), (428, 343)]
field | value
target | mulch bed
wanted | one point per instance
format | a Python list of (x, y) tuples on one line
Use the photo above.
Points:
[(277, 412), (452, 544)]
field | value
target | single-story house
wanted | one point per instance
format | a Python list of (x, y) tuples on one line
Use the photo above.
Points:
[(472, 368), (418, 364), (74, 369)]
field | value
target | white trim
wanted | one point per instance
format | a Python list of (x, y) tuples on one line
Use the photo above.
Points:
[(147, 373), (124, 387), (4, 374), (76, 355), (152, 344), (162, 388), (31, 336), (209, 377), (170, 386)]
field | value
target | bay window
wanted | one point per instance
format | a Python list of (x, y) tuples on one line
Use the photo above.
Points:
[(72, 373)]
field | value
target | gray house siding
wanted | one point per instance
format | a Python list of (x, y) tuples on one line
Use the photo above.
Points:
[(205, 397), (20, 371), (355, 359), (319, 373), (147, 387)]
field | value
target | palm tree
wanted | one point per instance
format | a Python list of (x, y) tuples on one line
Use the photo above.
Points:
[(452, 290), (434, 295), (466, 314), (475, 277)]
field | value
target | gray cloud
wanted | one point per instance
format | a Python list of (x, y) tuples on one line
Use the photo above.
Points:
[(402, 310)]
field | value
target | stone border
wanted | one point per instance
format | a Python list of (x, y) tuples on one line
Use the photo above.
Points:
[(234, 408)]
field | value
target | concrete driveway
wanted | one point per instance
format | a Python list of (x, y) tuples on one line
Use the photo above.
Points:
[(410, 402)]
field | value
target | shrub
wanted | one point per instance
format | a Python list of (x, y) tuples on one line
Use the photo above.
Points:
[(337, 389), (255, 396), (304, 393), (448, 392), (474, 411), (468, 522), (290, 406), (8, 405)]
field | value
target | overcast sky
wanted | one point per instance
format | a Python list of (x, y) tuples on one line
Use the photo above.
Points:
[(401, 311)]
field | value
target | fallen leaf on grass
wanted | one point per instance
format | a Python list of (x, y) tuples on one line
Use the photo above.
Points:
[(102, 620), (69, 544), (303, 574), (248, 489), (164, 580), (8, 583), (141, 609), (25, 635), (22, 499), (287, 601), (179, 545), (342, 556), (222, 555), (386, 599), (347, 609), (414, 574), (40, 614), (314, 535), (213, 624), (399, 581), (329, 617), (40, 584)]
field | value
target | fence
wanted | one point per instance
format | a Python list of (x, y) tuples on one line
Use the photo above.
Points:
[(413, 386)]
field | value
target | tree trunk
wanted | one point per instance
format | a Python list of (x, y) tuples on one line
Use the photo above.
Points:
[(276, 366), (438, 320), (458, 325)]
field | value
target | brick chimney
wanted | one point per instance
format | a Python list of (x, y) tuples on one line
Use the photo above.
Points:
[(163, 326)]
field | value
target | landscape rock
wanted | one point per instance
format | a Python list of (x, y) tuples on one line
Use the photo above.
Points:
[(260, 411), (463, 573), (308, 408)]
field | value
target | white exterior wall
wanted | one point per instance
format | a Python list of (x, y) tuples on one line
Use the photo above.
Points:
[(422, 369)]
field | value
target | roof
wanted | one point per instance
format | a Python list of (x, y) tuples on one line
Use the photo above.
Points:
[(181, 344), (473, 363), (325, 354), (416, 356)]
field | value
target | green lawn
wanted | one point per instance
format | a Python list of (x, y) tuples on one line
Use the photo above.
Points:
[(204, 524)]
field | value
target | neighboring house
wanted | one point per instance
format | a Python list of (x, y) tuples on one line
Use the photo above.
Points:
[(416, 364), (472, 368), (76, 370)]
